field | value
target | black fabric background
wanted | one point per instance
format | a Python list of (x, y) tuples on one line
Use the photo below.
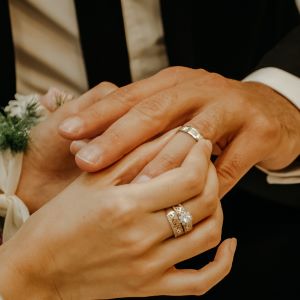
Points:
[(230, 37), (7, 69)]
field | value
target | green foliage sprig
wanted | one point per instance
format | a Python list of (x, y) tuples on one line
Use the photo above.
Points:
[(16, 120)]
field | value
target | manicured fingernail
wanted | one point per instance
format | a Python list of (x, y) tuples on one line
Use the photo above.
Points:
[(77, 145), (90, 154), (72, 125), (233, 244), (142, 178)]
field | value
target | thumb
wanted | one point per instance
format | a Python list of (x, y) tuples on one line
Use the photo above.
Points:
[(235, 161)]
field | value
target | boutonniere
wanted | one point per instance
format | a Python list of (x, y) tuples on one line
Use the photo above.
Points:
[(16, 120)]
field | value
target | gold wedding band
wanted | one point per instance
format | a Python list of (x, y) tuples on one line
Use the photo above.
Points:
[(174, 223), (180, 220), (192, 131), (185, 217)]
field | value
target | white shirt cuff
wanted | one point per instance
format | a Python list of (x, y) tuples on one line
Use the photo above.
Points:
[(281, 81), (289, 175)]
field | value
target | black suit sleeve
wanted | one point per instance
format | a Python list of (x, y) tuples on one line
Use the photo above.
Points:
[(285, 55)]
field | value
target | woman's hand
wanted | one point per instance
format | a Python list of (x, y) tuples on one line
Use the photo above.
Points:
[(94, 241), (48, 165), (248, 123)]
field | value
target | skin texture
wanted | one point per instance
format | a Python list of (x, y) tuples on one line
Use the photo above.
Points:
[(102, 237), (48, 165), (248, 123)]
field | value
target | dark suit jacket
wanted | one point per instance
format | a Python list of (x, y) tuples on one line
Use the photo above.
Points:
[(230, 37)]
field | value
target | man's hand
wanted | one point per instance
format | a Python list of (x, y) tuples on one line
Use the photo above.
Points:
[(248, 123)]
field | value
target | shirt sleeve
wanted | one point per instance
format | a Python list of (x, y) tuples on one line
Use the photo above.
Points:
[(279, 80)]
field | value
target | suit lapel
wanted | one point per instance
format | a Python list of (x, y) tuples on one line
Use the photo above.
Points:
[(7, 65), (103, 41)]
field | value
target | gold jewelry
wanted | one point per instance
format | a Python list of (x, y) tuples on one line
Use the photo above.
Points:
[(174, 223), (192, 131), (185, 217)]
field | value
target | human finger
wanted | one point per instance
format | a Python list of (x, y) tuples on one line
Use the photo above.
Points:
[(93, 121), (89, 98), (236, 160), (199, 207), (127, 168), (75, 146), (170, 156), (177, 185), (197, 282), (145, 120), (204, 236)]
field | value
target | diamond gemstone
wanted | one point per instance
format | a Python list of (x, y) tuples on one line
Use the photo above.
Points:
[(185, 218)]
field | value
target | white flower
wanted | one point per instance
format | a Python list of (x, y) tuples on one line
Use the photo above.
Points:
[(18, 108)]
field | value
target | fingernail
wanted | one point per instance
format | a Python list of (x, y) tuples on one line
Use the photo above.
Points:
[(233, 244), (77, 145), (142, 178), (90, 154), (72, 125)]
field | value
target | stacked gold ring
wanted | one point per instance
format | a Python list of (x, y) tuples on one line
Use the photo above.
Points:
[(180, 220), (185, 218), (174, 223)]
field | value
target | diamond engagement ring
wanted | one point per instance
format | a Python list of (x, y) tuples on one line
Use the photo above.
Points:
[(192, 131), (185, 217)]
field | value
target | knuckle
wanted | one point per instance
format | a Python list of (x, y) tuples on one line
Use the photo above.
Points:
[(165, 162), (266, 128), (168, 161), (105, 87), (177, 73), (111, 214), (229, 171), (92, 113), (205, 124), (153, 110), (218, 80), (115, 136), (125, 97), (120, 210), (139, 244), (210, 78), (134, 243), (108, 208), (142, 270)]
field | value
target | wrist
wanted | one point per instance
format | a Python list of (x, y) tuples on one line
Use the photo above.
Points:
[(15, 282), (286, 116)]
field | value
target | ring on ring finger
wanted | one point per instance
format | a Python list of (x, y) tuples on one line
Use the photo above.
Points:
[(192, 131), (180, 220)]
